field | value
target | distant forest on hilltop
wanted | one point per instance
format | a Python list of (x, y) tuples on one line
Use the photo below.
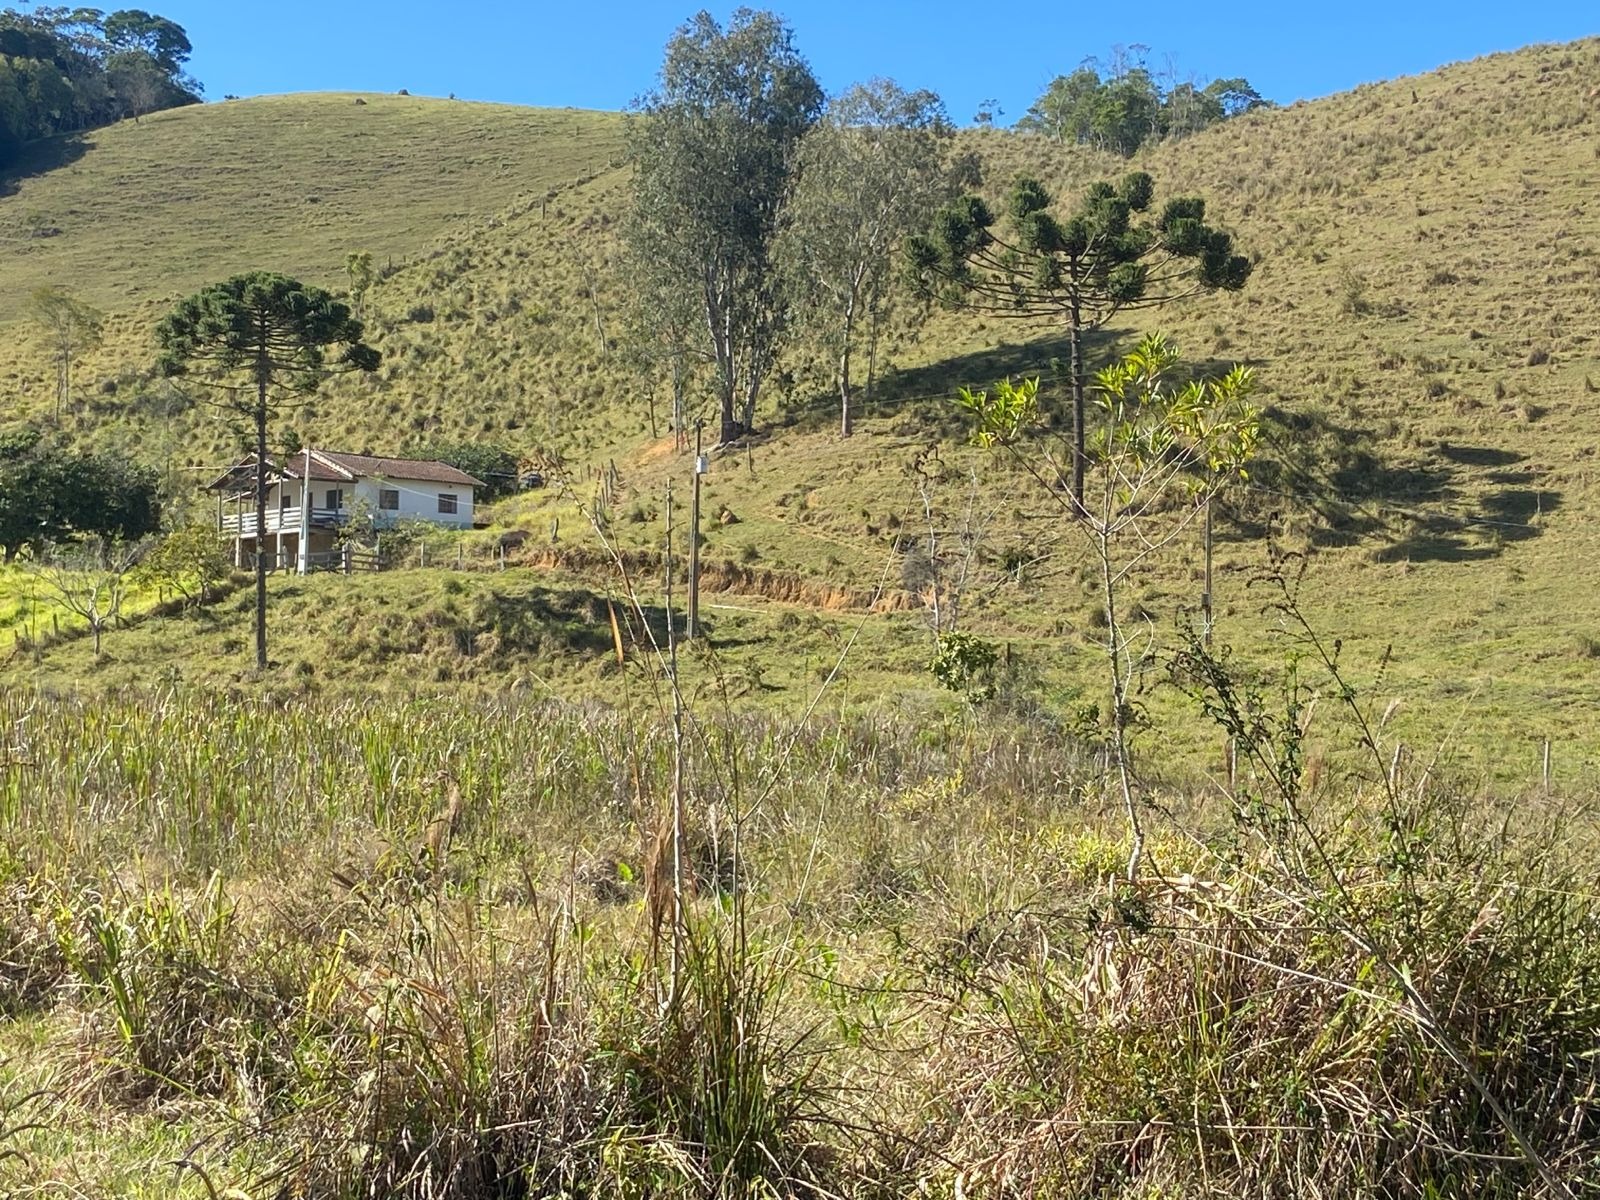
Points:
[(66, 69), (1121, 103)]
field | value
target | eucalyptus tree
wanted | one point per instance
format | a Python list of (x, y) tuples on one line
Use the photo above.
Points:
[(134, 31), (664, 329), (1081, 269), (713, 147), (70, 328), (264, 340), (872, 172)]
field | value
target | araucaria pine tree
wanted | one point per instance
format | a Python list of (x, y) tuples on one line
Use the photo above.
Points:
[(264, 339), (1108, 255)]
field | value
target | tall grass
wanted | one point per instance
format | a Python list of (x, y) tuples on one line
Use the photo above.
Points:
[(406, 950)]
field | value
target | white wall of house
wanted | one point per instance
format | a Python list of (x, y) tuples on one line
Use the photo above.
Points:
[(418, 501)]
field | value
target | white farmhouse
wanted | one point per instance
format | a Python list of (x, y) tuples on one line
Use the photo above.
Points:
[(315, 495)]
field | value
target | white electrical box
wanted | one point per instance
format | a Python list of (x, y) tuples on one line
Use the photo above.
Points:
[(702, 464)]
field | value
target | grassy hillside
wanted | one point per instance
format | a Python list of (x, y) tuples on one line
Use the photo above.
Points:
[(1422, 318), (151, 210)]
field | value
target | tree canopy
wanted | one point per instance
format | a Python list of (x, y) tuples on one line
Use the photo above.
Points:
[(713, 148), (494, 465), (1080, 268), (64, 69), (1121, 107), (48, 494)]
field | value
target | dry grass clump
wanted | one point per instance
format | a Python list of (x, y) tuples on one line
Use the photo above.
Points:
[(1242, 1034)]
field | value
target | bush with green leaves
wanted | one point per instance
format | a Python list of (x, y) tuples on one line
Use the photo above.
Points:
[(965, 664), (49, 494), (191, 561), (495, 466)]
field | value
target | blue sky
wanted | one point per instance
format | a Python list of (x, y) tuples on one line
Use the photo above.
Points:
[(602, 55)]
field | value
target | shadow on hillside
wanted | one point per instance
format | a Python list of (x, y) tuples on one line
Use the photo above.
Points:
[(40, 158), (580, 621), (1457, 504), (577, 621), (919, 399)]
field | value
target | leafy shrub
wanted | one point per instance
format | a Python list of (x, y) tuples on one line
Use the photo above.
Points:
[(965, 664)]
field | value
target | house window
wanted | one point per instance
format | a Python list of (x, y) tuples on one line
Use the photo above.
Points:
[(335, 498), (447, 502), (389, 499)]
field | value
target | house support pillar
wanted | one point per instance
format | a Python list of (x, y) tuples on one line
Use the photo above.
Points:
[(304, 555)]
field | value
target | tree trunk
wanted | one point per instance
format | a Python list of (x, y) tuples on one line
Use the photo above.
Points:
[(680, 433), (872, 345), (261, 522), (1079, 442), (729, 431), (1119, 702), (747, 404), (719, 321), (846, 423)]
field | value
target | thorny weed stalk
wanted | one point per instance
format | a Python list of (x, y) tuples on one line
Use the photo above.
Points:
[(1163, 447)]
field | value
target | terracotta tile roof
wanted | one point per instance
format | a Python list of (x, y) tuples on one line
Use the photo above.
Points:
[(359, 466), (336, 467)]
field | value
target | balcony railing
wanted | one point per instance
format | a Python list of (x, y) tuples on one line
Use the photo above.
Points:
[(280, 520)]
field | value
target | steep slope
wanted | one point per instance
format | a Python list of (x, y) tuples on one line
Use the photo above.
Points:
[(150, 210)]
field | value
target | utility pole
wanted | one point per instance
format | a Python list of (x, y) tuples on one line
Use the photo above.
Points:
[(694, 535), (672, 639), (677, 779)]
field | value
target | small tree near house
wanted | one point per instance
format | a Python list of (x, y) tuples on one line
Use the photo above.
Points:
[(90, 580), (191, 562)]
